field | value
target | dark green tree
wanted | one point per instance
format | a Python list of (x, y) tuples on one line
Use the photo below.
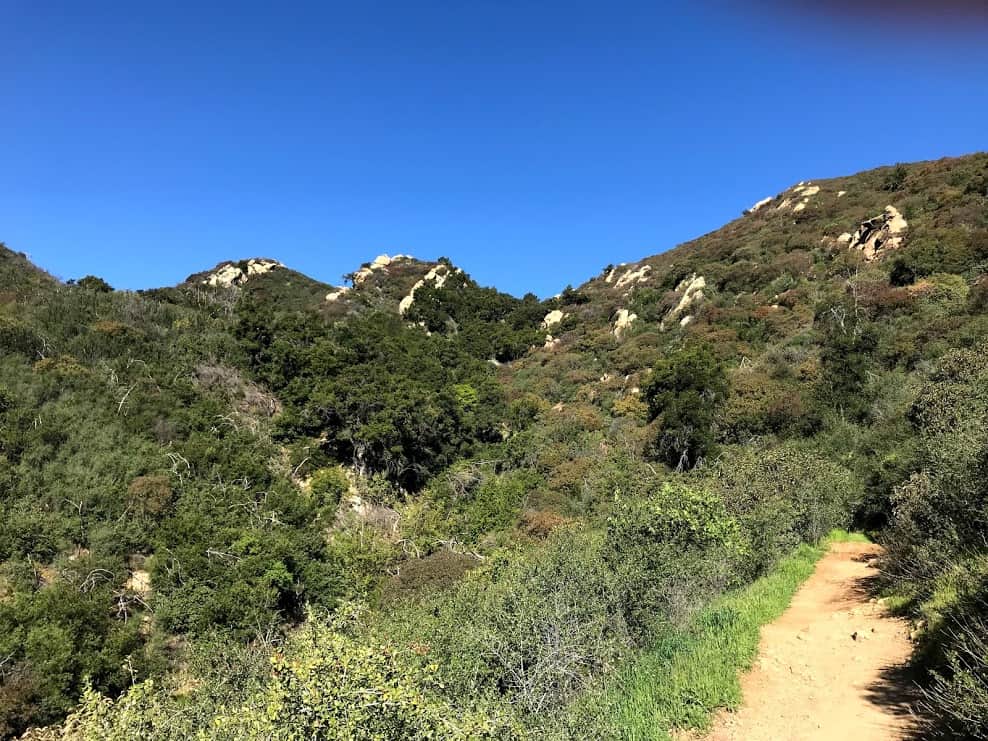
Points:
[(683, 394), (848, 342), (94, 283)]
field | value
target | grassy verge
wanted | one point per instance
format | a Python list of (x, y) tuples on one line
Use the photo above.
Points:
[(692, 672)]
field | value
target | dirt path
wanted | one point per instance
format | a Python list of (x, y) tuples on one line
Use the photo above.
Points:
[(832, 667)]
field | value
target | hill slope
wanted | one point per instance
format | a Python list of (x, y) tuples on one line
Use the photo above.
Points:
[(186, 471)]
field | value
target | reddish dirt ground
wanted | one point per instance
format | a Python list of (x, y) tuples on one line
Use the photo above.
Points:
[(832, 667)]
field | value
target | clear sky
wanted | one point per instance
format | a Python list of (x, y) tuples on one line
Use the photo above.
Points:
[(532, 142)]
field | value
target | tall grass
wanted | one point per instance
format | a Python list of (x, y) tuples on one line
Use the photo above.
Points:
[(691, 672)]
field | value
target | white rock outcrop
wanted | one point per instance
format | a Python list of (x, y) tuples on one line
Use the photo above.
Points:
[(633, 276), (381, 262), (622, 320), (231, 274), (879, 234), (691, 290), (799, 198), (437, 276), (139, 582), (553, 318), (337, 293), (761, 204)]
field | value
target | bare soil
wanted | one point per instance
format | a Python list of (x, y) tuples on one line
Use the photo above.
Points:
[(832, 667)]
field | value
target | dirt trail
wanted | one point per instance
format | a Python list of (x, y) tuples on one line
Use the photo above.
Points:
[(831, 667)]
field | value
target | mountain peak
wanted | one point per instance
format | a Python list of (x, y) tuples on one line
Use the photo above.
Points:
[(381, 262), (229, 273)]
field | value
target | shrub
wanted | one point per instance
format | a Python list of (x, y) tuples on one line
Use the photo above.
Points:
[(150, 494), (322, 685), (977, 298), (673, 550), (782, 497), (62, 367), (534, 628), (362, 555), (902, 273), (895, 178), (329, 686), (418, 576), (683, 393), (759, 405), (6, 400), (935, 544), (848, 345), (328, 485), (469, 502), (631, 406), (540, 523), (94, 283), (957, 696), (21, 338)]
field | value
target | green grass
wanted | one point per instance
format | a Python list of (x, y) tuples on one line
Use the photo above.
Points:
[(690, 673)]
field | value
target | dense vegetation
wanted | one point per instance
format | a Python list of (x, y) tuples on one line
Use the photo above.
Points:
[(257, 512)]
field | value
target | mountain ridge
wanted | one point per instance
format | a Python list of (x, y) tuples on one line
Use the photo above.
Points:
[(832, 183)]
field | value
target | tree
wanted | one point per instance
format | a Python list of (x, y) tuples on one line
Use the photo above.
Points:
[(683, 394), (848, 343), (94, 283), (895, 178), (902, 273)]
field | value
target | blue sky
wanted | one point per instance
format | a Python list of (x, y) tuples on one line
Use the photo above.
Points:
[(531, 142)]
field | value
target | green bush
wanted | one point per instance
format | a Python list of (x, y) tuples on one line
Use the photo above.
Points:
[(533, 629), (94, 283), (760, 405), (683, 393), (935, 543), (957, 695), (468, 502), (782, 497), (688, 672), (846, 357), (329, 686), (671, 550), (328, 485), (322, 685), (940, 512), (17, 337)]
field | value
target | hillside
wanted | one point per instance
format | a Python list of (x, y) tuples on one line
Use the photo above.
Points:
[(215, 495)]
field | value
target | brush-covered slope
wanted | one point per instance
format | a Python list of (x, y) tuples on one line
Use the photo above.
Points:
[(184, 471), (761, 276), (158, 452)]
